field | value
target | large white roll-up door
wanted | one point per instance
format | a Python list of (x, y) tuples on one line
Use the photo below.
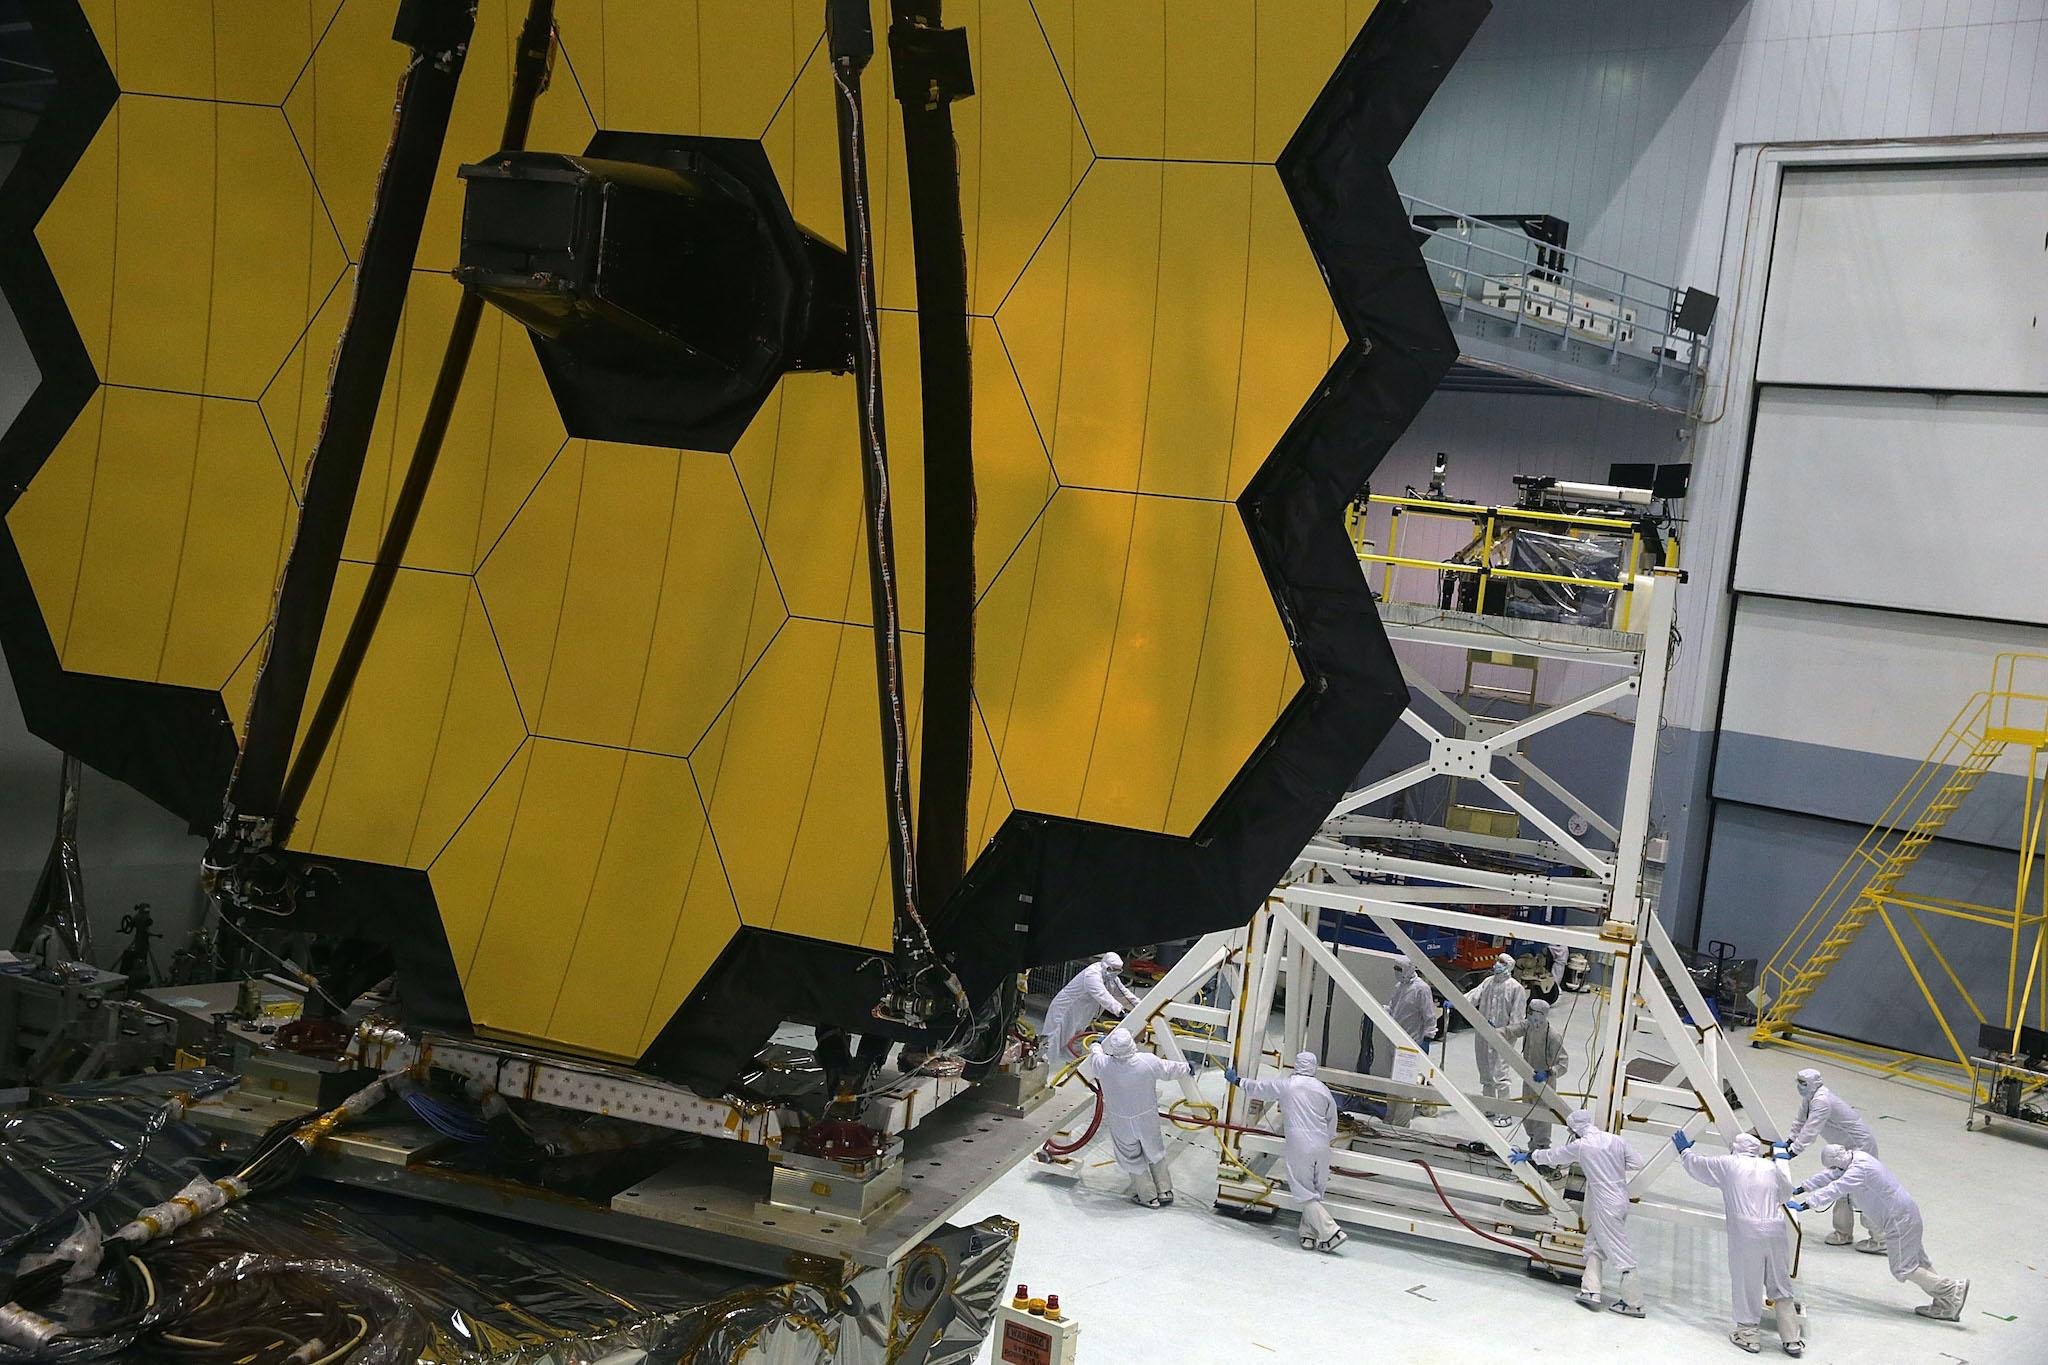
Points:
[(1909, 277), (1899, 499), (1899, 457), (1893, 539)]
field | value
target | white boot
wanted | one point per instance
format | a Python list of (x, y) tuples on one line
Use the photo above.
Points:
[(1745, 1336), (1948, 1295), (1589, 1285), (1791, 1328), (1162, 1178), (1318, 1228), (1630, 1302)]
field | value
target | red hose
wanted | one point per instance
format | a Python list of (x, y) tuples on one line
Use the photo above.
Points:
[(1054, 1148), (1442, 1198), (1498, 1241)]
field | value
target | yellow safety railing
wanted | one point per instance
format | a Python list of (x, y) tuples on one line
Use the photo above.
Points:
[(2019, 714), (2012, 712), (1957, 740), (1491, 524)]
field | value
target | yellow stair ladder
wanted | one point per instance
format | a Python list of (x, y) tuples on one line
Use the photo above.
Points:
[(1892, 865), (1987, 725)]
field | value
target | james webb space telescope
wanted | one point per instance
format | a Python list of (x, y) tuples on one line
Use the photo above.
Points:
[(594, 709), (667, 289)]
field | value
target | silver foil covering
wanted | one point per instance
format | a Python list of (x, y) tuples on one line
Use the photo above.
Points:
[(446, 1287)]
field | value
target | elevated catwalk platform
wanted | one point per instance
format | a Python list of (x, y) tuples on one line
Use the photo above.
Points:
[(1531, 317)]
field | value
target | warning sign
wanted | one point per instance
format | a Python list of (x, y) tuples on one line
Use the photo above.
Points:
[(1024, 1346)]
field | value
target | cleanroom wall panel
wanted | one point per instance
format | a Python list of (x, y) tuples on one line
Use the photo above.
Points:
[(1766, 867), (1921, 277), (1883, 682), (1897, 500)]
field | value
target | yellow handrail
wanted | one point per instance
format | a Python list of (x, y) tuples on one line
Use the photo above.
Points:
[(2005, 691), (2013, 711), (1492, 522), (1474, 513), (1848, 880)]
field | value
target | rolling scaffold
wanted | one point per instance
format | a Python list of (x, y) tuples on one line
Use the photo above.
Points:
[(1661, 1060)]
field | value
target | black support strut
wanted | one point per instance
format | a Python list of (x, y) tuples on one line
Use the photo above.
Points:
[(850, 38), (529, 78), (438, 32), (931, 69)]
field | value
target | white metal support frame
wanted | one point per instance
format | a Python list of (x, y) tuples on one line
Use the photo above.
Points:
[(1376, 1182), (1454, 1183), (1472, 754)]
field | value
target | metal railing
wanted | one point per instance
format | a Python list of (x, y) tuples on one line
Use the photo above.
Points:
[(2019, 713), (2013, 713), (1498, 272), (1489, 525)]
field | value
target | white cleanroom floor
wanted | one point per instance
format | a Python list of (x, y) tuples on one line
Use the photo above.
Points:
[(1187, 1286)]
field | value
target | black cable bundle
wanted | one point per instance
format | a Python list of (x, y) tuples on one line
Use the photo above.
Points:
[(134, 1295), (278, 1156), (78, 1207), (215, 1300)]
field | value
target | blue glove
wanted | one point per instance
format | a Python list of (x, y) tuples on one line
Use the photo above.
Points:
[(1542, 1076), (1796, 1205), (1799, 1189), (1230, 1074), (1680, 1140), (1516, 1158), (1191, 1066), (1782, 1150)]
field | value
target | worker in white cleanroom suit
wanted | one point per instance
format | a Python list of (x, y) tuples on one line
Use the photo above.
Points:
[(1503, 1002), (1130, 1082), (1559, 956), (1606, 1161), (1414, 1009), (1825, 1116), (1543, 1050), (1754, 1188), (1095, 988), (1892, 1214), (1308, 1112)]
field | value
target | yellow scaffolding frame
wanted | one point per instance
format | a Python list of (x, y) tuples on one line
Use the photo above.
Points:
[(2005, 716), (1490, 523)]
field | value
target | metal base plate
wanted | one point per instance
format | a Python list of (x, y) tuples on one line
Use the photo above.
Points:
[(709, 1205), (861, 1190), (1015, 1092), (947, 1160)]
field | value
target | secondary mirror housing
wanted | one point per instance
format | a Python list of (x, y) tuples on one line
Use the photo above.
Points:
[(664, 280)]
